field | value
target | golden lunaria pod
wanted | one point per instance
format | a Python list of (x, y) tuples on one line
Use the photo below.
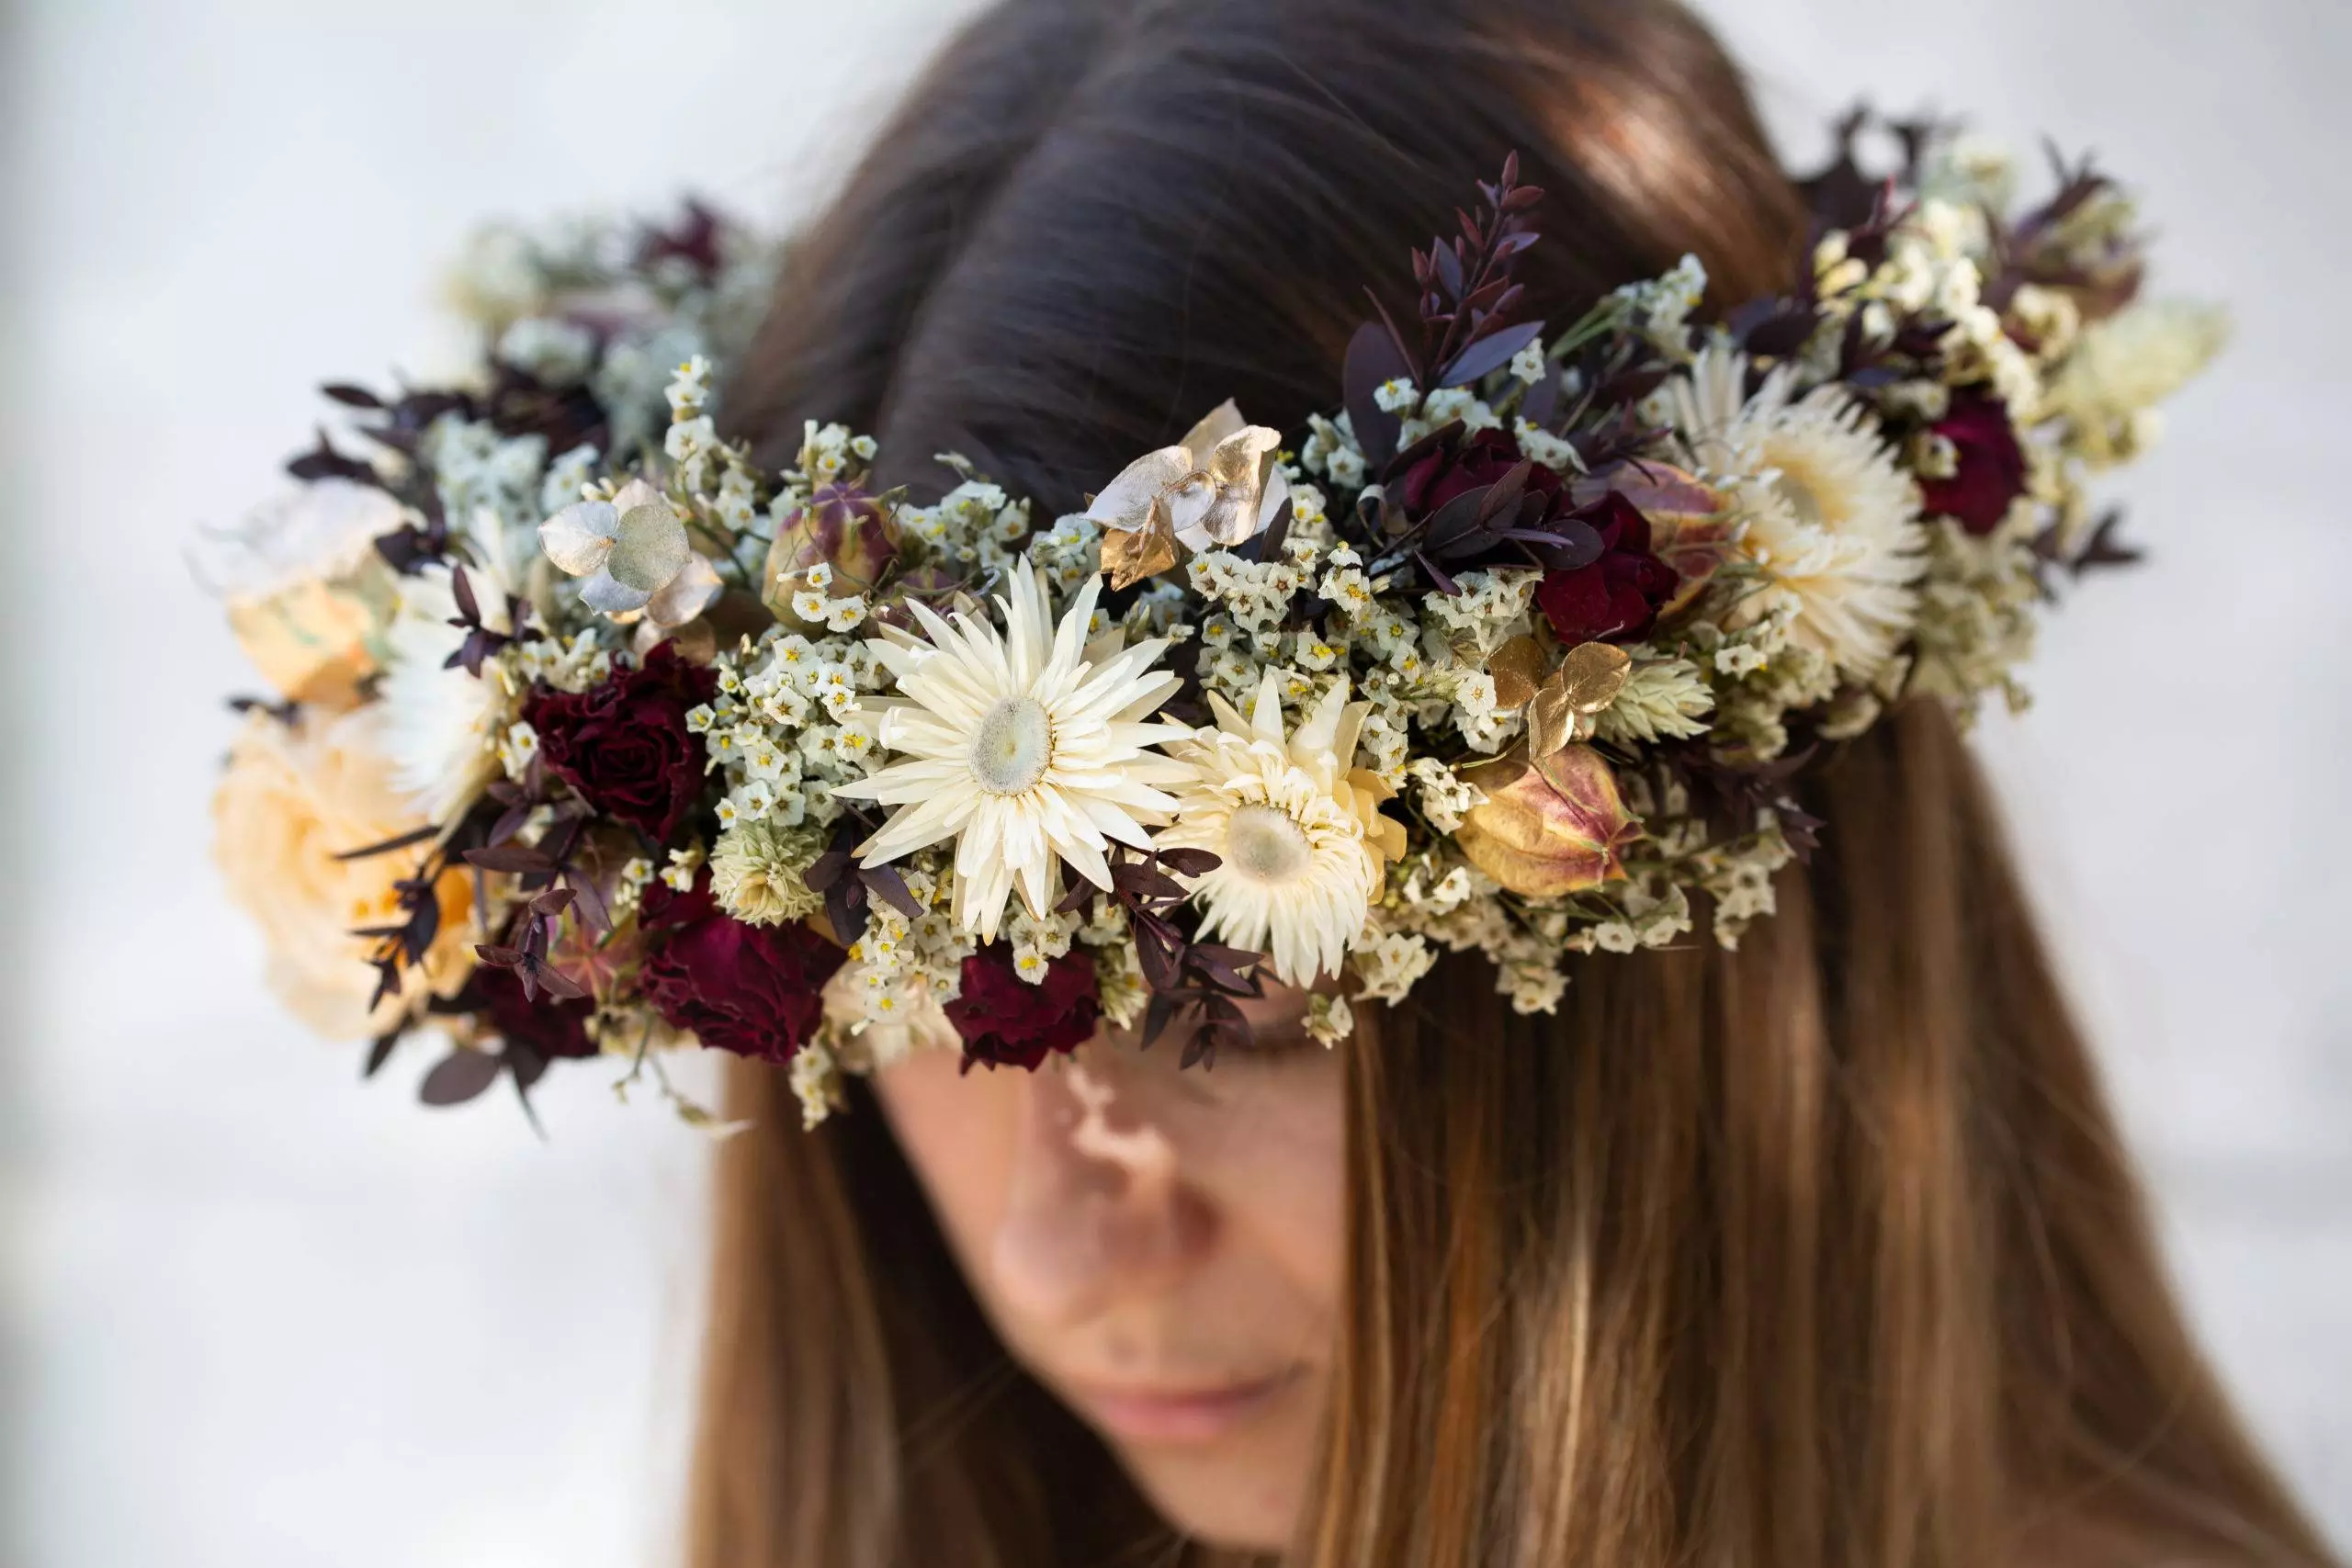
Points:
[(1547, 829), (1518, 670)]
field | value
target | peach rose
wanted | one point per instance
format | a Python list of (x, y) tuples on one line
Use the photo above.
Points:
[(293, 796)]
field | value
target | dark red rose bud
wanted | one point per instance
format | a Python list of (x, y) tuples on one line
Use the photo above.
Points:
[(1487, 456), (624, 744), (1617, 597), (1990, 470), (548, 1026), (755, 990), (1007, 1023)]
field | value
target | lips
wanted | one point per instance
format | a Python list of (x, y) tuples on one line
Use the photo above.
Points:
[(1180, 1414)]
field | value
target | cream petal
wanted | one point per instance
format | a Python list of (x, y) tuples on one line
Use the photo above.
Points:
[(1266, 712), (579, 538)]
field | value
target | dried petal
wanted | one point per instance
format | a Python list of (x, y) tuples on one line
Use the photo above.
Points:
[(1547, 831), (689, 594)]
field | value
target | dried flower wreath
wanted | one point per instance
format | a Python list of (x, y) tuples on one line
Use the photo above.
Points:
[(591, 736)]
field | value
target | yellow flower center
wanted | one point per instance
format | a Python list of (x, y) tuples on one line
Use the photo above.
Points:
[(1265, 845), (1012, 746)]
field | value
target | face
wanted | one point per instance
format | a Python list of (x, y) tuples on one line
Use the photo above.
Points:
[(1159, 1247)]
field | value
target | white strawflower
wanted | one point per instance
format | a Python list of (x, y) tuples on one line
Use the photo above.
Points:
[(1298, 833), (1830, 516), (442, 726), (1020, 750)]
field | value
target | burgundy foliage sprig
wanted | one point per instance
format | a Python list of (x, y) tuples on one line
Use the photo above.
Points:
[(1188, 979)]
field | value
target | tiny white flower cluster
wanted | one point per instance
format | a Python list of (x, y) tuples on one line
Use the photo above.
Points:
[(902, 966), (785, 727)]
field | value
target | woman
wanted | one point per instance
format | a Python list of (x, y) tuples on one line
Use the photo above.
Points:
[(1820, 1251)]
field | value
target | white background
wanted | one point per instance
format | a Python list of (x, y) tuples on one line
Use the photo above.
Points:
[(256, 1315)]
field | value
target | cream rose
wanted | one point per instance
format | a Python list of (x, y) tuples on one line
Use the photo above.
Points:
[(293, 798)]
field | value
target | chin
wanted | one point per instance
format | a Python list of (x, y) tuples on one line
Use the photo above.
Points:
[(1242, 1489)]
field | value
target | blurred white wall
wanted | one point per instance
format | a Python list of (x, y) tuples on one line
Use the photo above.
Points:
[(257, 1315)]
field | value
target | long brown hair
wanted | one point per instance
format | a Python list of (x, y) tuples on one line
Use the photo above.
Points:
[(1821, 1251)]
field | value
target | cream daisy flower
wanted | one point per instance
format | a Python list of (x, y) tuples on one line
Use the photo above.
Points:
[(1020, 748), (1830, 517), (1298, 831), (442, 724)]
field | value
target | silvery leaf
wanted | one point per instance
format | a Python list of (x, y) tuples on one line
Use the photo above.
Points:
[(652, 547), (602, 593), (579, 538), (1125, 503)]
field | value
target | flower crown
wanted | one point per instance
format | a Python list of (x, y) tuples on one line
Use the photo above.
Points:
[(594, 738)]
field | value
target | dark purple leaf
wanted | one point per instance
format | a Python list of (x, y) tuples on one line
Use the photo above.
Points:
[(1373, 360), (459, 1077), (415, 836), (523, 860), (885, 884), (350, 396), (1489, 353), (379, 1050), (1190, 862)]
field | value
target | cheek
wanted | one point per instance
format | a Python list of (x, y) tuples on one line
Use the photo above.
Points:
[(958, 1132), (1273, 1157)]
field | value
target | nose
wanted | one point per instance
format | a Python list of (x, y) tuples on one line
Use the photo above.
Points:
[(1097, 1212)]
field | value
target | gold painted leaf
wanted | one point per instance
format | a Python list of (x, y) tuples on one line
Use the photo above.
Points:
[(1133, 555), (1517, 668), (1592, 674)]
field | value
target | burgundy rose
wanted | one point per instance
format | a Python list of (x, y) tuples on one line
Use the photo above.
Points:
[(1991, 469), (1008, 1023), (624, 744), (755, 990), (1617, 597), (546, 1026), (1440, 476)]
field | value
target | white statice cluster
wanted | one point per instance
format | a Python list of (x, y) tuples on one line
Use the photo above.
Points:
[(786, 728)]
